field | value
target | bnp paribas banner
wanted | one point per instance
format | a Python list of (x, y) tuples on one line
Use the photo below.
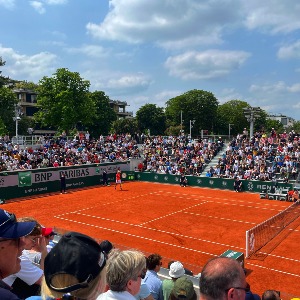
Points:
[(24, 179)]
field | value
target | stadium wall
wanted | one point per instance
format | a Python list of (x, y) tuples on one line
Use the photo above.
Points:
[(254, 186), (27, 183)]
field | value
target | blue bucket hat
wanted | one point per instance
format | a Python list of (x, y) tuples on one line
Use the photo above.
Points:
[(10, 228)]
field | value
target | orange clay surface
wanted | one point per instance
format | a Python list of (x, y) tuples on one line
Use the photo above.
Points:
[(188, 224)]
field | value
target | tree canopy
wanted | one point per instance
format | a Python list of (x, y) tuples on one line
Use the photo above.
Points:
[(125, 126), (64, 100), (150, 117), (104, 114), (196, 105), (8, 101)]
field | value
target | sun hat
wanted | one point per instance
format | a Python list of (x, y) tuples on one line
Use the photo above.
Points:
[(176, 269), (11, 229), (75, 254), (184, 289)]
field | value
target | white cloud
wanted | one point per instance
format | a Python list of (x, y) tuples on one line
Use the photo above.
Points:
[(90, 50), (272, 16), (128, 83), (165, 22), (289, 51), (38, 6), (205, 65), (117, 83), (273, 96), (56, 2), (9, 4), (33, 68)]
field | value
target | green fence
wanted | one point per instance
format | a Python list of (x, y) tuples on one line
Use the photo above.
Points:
[(254, 186), (39, 181)]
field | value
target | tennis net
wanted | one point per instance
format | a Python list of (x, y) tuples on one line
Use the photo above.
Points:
[(261, 234)]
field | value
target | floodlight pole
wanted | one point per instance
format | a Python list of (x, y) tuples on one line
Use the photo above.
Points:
[(251, 114), (191, 126), (229, 127)]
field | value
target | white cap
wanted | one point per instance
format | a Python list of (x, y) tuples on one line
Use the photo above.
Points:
[(176, 269)]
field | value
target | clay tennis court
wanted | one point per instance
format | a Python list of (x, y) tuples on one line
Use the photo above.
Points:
[(187, 224)]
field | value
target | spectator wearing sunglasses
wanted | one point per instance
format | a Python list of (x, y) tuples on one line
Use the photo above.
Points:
[(152, 280), (223, 278), (125, 270), (74, 269), (11, 246), (27, 282)]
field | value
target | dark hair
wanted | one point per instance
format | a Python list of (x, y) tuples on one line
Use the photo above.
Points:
[(153, 260), (271, 295)]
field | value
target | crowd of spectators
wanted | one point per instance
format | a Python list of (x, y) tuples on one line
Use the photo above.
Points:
[(63, 151), (260, 157), (177, 155)]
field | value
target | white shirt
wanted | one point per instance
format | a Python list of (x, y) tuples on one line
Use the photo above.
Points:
[(29, 272), (110, 295)]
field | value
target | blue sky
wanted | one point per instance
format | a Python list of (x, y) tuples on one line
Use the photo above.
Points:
[(148, 51)]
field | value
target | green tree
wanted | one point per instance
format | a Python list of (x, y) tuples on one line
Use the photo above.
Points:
[(231, 112), (28, 85), (64, 101), (277, 125), (295, 127), (125, 126), (3, 80), (197, 105), (151, 117), (8, 101), (104, 114)]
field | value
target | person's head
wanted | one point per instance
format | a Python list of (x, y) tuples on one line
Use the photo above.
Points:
[(31, 239), (270, 295), (176, 270), (183, 290), (76, 266), (223, 278), (48, 233), (125, 270), (11, 242), (154, 262)]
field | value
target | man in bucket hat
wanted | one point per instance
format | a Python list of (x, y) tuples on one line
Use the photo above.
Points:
[(176, 271), (11, 247)]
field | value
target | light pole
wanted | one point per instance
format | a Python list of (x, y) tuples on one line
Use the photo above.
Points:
[(191, 126), (229, 127), (251, 114), (181, 122), (17, 118)]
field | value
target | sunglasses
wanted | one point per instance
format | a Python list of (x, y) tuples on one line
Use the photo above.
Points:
[(33, 240), (246, 289), (143, 274), (12, 218)]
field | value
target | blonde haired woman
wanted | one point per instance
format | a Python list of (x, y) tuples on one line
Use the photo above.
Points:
[(74, 269), (125, 270)]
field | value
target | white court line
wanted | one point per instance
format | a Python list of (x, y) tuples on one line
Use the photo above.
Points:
[(173, 213), (275, 270), (163, 193), (153, 229), (219, 218), (138, 236), (162, 231)]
